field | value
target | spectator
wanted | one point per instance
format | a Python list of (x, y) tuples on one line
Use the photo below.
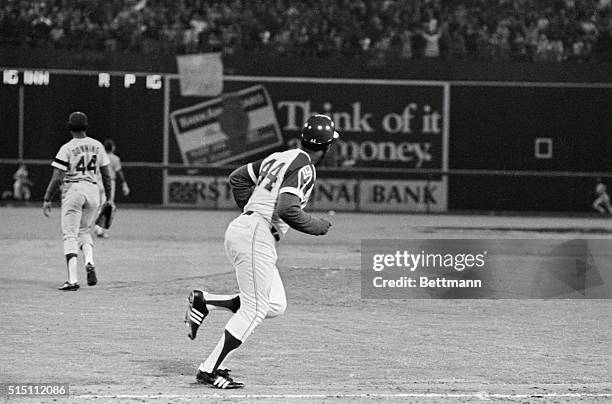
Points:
[(557, 51), (542, 49), (432, 41), (479, 29)]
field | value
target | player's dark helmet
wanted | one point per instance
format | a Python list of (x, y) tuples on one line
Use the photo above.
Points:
[(77, 121), (318, 132)]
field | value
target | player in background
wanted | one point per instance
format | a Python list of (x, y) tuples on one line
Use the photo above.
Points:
[(75, 170), (116, 172), (272, 194), (602, 202), (22, 184)]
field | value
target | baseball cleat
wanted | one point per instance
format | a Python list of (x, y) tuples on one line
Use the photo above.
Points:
[(91, 274), (220, 379), (67, 286), (196, 312)]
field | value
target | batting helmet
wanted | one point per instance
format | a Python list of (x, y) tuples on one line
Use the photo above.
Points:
[(77, 121), (318, 132)]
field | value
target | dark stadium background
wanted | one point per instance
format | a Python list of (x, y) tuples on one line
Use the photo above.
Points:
[(492, 127)]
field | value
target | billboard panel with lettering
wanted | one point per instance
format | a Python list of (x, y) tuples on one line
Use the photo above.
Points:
[(382, 123)]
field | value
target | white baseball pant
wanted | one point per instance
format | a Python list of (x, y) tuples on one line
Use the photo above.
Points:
[(80, 201), (251, 248)]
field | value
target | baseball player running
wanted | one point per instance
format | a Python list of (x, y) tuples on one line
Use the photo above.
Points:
[(272, 194), (115, 172), (76, 165)]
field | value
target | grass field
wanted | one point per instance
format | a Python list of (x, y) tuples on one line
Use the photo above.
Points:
[(124, 339)]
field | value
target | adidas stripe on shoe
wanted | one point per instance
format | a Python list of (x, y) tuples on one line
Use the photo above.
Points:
[(196, 312), (218, 380)]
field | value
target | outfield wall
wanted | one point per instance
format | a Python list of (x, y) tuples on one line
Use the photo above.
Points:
[(385, 124)]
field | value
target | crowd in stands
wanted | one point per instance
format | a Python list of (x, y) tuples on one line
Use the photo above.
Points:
[(498, 30)]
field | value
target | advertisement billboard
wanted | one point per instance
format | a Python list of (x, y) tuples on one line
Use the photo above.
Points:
[(382, 123)]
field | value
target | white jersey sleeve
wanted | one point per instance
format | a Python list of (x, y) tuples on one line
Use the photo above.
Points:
[(62, 159), (103, 157)]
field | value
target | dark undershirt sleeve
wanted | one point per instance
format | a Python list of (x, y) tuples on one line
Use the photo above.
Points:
[(290, 212)]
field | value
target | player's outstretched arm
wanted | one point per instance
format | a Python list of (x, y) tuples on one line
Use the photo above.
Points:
[(106, 181), (54, 184), (290, 211), (242, 185), (124, 185)]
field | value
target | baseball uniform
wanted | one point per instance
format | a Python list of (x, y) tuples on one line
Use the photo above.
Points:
[(272, 194), (80, 159), (250, 240)]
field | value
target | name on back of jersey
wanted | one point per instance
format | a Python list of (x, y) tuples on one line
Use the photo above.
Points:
[(85, 148)]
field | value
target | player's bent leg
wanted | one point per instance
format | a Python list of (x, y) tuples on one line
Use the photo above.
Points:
[(278, 300), (255, 264), (247, 318), (250, 248), (242, 323), (199, 304), (222, 302)]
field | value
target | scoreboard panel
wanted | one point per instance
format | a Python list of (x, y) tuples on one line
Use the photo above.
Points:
[(127, 107), (9, 121)]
